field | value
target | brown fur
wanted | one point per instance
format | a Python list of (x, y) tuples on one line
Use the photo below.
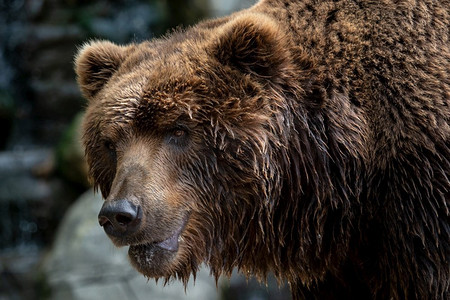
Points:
[(310, 139)]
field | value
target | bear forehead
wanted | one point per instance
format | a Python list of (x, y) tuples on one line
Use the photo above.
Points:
[(161, 81), (152, 91)]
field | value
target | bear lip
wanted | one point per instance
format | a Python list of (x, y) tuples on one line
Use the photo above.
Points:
[(169, 244)]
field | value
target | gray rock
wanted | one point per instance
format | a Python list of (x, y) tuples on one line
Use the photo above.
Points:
[(17, 162), (31, 199), (84, 264)]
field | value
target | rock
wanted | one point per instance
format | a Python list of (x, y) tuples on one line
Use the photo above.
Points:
[(31, 202), (17, 276), (19, 191), (31, 197), (13, 163), (84, 264)]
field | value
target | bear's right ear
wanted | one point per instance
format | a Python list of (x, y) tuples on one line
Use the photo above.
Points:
[(95, 63)]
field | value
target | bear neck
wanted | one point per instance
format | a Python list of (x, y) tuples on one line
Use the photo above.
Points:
[(303, 201)]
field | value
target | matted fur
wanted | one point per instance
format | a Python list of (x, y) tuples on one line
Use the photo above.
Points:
[(310, 139)]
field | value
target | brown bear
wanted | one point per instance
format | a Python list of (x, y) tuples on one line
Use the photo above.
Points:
[(309, 139)]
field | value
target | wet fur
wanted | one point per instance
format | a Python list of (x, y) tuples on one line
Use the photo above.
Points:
[(320, 141)]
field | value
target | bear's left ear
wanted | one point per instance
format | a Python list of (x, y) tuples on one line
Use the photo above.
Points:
[(254, 44), (95, 63)]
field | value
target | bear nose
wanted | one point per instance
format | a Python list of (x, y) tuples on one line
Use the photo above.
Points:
[(120, 218)]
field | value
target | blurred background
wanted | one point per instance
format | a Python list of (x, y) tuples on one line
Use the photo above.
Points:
[(51, 246)]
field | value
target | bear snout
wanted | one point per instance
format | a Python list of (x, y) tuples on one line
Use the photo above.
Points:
[(120, 218)]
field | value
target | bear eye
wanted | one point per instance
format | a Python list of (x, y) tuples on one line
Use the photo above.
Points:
[(178, 133), (111, 149), (178, 136)]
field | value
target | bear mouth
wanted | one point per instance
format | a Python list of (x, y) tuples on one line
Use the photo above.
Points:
[(153, 258), (169, 244)]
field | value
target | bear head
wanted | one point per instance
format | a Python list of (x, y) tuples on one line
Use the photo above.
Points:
[(184, 137)]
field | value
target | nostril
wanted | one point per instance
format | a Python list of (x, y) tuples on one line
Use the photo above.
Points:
[(102, 220), (120, 217), (124, 219)]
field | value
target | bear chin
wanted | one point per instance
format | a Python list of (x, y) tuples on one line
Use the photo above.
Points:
[(152, 260), (156, 258)]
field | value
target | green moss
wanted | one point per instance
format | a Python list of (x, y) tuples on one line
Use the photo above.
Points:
[(70, 155)]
